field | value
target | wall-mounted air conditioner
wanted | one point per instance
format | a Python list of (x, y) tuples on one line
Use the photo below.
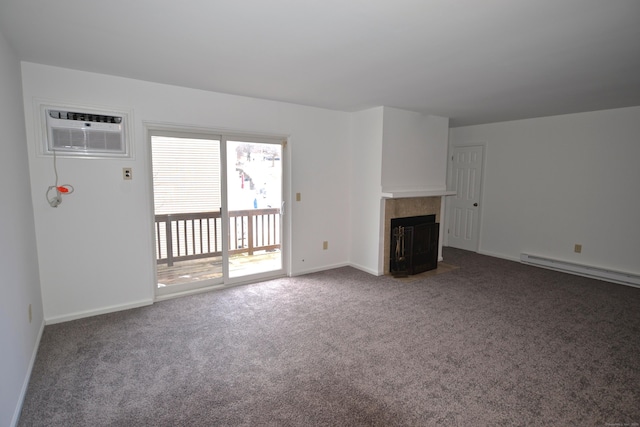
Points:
[(79, 131)]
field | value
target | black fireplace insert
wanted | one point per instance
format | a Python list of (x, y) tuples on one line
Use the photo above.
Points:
[(414, 245)]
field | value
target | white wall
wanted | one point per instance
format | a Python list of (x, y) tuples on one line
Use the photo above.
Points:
[(366, 166), (414, 153), (19, 262), (85, 272), (556, 181)]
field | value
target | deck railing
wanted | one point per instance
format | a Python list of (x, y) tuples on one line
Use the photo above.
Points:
[(188, 236)]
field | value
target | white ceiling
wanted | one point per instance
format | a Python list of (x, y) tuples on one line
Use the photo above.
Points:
[(473, 61)]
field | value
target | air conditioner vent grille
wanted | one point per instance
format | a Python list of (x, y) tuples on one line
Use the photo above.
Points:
[(84, 117), (77, 139)]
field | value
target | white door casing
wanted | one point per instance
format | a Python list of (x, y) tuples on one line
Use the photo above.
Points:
[(464, 207)]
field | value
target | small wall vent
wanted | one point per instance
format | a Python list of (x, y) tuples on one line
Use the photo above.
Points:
[(87, 133)]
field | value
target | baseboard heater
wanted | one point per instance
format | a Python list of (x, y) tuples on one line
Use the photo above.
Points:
[(582, 270)]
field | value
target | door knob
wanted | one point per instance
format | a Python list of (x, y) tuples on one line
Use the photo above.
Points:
[(475, 204)]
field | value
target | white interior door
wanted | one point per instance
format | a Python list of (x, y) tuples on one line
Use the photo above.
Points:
[(464, 207)]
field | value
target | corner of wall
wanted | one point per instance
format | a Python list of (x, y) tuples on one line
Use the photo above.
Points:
[(27, 378)]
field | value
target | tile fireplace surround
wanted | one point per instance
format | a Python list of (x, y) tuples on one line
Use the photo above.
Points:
[(408, 206)]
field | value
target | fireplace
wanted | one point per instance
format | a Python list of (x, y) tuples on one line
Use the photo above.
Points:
[(403, 207), (414, 245)]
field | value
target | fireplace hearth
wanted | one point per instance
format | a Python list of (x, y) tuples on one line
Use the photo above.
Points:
[(414, 245)]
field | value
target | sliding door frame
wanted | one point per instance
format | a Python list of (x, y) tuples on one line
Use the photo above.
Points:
[(222, 135)]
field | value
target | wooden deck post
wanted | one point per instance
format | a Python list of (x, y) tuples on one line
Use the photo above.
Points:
[(169, 237), (250, 232)]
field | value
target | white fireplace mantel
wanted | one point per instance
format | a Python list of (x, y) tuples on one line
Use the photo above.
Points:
[(404, 194)]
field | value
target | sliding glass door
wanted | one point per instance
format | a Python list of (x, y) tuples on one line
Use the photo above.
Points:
[(254, 196), (216, 222)]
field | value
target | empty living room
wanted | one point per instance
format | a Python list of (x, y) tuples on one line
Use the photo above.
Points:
[(408, 213)]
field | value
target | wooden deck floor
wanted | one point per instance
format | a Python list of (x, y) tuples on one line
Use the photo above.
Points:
[(211, 268)]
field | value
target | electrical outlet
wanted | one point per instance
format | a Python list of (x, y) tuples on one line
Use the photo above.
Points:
[(325, 245), (30, 314), (577, 248), (127, 173)]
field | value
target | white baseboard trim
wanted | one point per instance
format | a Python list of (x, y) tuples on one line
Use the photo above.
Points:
[(599, 273), (366, 269), (323, 268), (497, 255), (89, 313), (25, 384)]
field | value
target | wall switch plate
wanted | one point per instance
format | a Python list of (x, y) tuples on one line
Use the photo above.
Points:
[(577, 248), (325, 245), (298, 197)]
